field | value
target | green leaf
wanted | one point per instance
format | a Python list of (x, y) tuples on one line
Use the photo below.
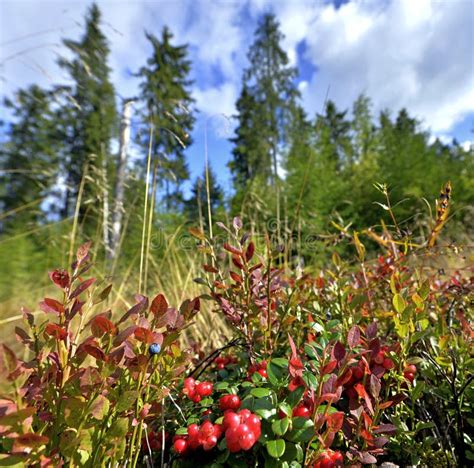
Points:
[(265, 413), (295, 397), (276, 448), (310, 380), (277, 373), (285, 407), (424, 290), (399, 303), (260, 392), (280, 426), (303, 430), (126, 400), (417, 391), (100, 407), (119, 428)]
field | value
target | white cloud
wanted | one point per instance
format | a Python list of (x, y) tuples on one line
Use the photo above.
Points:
[(402, 53), (217, 100), (417, 55)]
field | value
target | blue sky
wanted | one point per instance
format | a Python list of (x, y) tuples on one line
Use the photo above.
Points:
[(402, 53)]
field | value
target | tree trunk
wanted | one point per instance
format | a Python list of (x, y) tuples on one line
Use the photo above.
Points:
[(119, 189)]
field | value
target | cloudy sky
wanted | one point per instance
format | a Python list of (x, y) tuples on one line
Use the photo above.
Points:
[(417, 54)]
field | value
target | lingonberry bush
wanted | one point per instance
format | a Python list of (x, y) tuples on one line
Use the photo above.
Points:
[(356, 365)]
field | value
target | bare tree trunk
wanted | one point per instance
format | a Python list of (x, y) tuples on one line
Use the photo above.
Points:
[(119, 189), (105, 194)]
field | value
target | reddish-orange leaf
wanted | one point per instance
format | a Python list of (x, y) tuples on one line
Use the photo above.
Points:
[(159, 305), (101, 325), (144, 335), (56, 331)]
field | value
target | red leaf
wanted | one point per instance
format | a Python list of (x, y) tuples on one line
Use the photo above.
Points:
[(375, 386), (159, 305), (335, 420), (8, 360), (101, 325), (339, 351), (55, 331), (94, 351), (31, 440), (144, 335), (235, 277), (250, 251), (328, 368), (353, 337), (371, 330), (237, 262), (137, 309), (60, 278), (232, 249), (385, 429), (124, 334), (360, 389), (82, 287), (53, 306), (210, 269), (22, 336)]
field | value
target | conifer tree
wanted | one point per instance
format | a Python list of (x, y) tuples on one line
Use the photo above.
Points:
[(28, 157), (196, 206), (166, 97), (88, 119), (265, 107)]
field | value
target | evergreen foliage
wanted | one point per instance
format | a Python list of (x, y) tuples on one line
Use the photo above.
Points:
[(166, 96)]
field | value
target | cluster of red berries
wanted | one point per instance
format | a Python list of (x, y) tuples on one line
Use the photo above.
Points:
[(196, 390), (242, 430), (206, 436), (260, 368), (329, 459), (222, 361), (409, 372)]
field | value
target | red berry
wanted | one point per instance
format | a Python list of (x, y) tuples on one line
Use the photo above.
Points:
[(193, 430), (209, 443), (218, 430), (409, 376), (244, 414), (231, 439), (410, 368), (253, 421), (242, 429), (180, 446), (263, 373), (189, 383), (207, 429), (301, 411), (247, 440), (231, 419), (229, 402), (337, 458), (204, 389), (388, 363)]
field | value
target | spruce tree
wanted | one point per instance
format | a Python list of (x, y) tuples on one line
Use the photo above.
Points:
[(28, 157), (197, 205), (88, 119), (265, 107), (166, 97)]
